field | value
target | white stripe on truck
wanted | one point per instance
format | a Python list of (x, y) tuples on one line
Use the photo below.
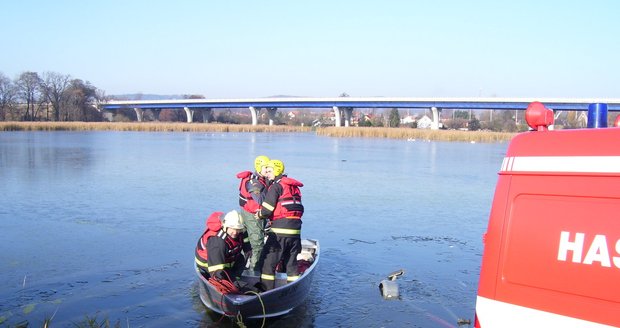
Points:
[(574, 164), (492, 313)]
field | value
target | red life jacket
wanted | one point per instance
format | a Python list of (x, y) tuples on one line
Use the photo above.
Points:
[(214, 228), (213, 225), (245, 198), (235, 246), (289, 204)]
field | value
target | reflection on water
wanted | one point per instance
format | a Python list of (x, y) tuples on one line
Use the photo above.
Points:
[(41, 152), (104, 223)]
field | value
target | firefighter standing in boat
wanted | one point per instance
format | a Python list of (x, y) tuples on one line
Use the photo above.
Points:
[(251, 191), (220, 249), (282, 204)]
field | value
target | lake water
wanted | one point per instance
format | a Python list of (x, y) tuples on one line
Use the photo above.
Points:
[(104, 224)]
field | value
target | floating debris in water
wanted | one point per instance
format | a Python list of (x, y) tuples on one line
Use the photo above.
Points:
[(389, 287), (439, 239), (353, 241), (462, 322), (396, 274), (29, 308)]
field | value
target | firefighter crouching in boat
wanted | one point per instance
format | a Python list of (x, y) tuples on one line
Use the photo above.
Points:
[(252, 189), (220, 249), (282, 204)]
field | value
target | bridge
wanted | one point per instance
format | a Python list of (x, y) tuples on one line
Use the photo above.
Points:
[(347, 104)]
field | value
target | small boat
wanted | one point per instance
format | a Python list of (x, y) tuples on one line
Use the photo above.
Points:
[(272, 303)]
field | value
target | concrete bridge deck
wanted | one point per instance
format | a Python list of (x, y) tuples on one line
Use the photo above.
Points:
[(347, 104)]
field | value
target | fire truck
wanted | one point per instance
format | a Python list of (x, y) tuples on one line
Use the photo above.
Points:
[(552, 246)]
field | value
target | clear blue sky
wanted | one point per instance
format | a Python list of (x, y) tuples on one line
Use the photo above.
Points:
[(320, 48)]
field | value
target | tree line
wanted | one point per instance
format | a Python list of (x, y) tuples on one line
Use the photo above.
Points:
[(49, 96)]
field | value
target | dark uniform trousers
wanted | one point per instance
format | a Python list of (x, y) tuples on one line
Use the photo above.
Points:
[(280, 249)]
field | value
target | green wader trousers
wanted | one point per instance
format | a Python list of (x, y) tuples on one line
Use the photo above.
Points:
[(256, 234)]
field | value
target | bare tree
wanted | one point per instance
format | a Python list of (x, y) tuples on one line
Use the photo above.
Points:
[(82, 100), (28, 88), (7, 96), (54, 88)]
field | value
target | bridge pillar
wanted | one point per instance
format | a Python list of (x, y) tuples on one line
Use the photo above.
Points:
[(108, 114), (348, 112), (271, 112), (254, 115), (337, 115), (189, 113), (139, 114), (435, 123), (206, 114), (156, 112)]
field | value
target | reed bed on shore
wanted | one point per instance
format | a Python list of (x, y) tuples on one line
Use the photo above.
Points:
[(417, 134), (339, 132), (146, 126)]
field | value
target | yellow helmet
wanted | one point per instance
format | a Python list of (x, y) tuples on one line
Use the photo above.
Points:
[(277, 165), (260, 161)]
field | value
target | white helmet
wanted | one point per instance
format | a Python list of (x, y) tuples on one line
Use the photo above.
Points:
[(233, 220)]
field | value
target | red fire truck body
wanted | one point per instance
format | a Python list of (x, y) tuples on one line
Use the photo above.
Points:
[(552, 246)]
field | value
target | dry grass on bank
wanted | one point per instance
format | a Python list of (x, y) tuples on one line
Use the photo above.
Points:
[(417, 134), (340, 132), (146, 126)]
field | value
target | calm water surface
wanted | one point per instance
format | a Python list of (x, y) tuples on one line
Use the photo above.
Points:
[(104, 224)]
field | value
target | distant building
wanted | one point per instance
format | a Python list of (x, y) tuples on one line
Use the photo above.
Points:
[(408, 119), (424, 122)]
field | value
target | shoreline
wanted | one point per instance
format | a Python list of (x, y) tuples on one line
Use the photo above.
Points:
[(408, 134)]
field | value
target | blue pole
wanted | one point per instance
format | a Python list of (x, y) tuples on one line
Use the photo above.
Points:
[(597, 115)]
